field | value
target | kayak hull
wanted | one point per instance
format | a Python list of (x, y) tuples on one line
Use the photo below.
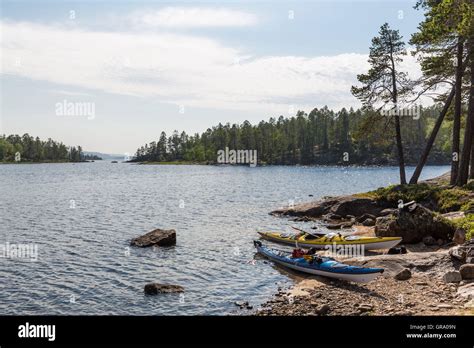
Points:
[(375, 243), (360, 275)]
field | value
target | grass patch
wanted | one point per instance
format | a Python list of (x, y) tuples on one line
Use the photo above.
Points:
[(469, 205), (469, 186), (446, 199), (451, 199), (394, 193)]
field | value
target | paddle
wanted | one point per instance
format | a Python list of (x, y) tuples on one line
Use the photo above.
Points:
[(311, 233)]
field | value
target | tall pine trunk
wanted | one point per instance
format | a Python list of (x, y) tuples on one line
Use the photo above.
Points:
[(469, 129), (398, 133), (471, 173), (401, 160), (431, 139), (457, 113)]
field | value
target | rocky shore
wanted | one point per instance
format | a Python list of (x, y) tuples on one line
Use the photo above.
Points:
[(434, 277), (425, 292)]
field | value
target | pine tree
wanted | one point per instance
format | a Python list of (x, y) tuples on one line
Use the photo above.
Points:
[(384, 82)]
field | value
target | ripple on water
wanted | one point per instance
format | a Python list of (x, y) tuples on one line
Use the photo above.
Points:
[(83, 216)]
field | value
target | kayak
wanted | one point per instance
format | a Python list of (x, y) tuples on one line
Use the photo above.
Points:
[(307, 240), (321, 266)]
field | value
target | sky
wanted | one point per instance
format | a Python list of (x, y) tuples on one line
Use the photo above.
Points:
[(111, 75)]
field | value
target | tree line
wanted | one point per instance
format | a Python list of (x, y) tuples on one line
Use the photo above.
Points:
[(27, 148), (321, 136)]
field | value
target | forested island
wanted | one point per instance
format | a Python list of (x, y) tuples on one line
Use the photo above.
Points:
[(26, 148), (321, 137)]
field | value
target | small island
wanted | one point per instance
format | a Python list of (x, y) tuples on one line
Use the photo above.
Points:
[(29, 149)]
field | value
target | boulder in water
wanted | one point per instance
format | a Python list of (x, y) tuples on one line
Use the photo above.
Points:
[(156, 237), (157, 288)]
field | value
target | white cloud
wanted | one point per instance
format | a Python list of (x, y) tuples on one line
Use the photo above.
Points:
[(193, 17), (179, 69), (70, 93)]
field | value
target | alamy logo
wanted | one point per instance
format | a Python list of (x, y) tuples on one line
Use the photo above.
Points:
[(37, 331), (237, 157), (67, 108), (340, 250), (413, 111), (19, 251)]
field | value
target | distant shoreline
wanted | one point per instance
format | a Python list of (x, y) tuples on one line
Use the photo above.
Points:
[(171, 163), (42, 162), (224, 164), (286, 165)]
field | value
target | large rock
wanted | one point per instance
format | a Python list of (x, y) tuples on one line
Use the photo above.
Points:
[(458, 252), (323, 310), (387, 211), (339, 206), (314, 209), (338, 226), (404, 274), (356, 206), (467, 271), (157, 288), (364, 217), (429, 240), (463, 253), (466, 291), (414, 225), (459, 236), (452, 277), (156, 237), (434, 263), (369, 222)]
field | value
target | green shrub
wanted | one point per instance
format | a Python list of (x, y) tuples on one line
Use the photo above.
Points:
[(469, 186), (469, 205), (467, 223), (450, 199)]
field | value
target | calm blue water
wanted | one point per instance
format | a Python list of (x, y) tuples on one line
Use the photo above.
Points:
[(82, 217)]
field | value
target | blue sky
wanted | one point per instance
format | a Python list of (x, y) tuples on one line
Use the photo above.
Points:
[(152, 65)]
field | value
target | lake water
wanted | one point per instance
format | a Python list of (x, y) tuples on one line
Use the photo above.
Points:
[(82, 216)]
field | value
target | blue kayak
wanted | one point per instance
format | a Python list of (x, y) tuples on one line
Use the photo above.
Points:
[(322, 266)]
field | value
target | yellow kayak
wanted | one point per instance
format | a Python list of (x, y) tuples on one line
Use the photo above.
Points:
[(307, 240)]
